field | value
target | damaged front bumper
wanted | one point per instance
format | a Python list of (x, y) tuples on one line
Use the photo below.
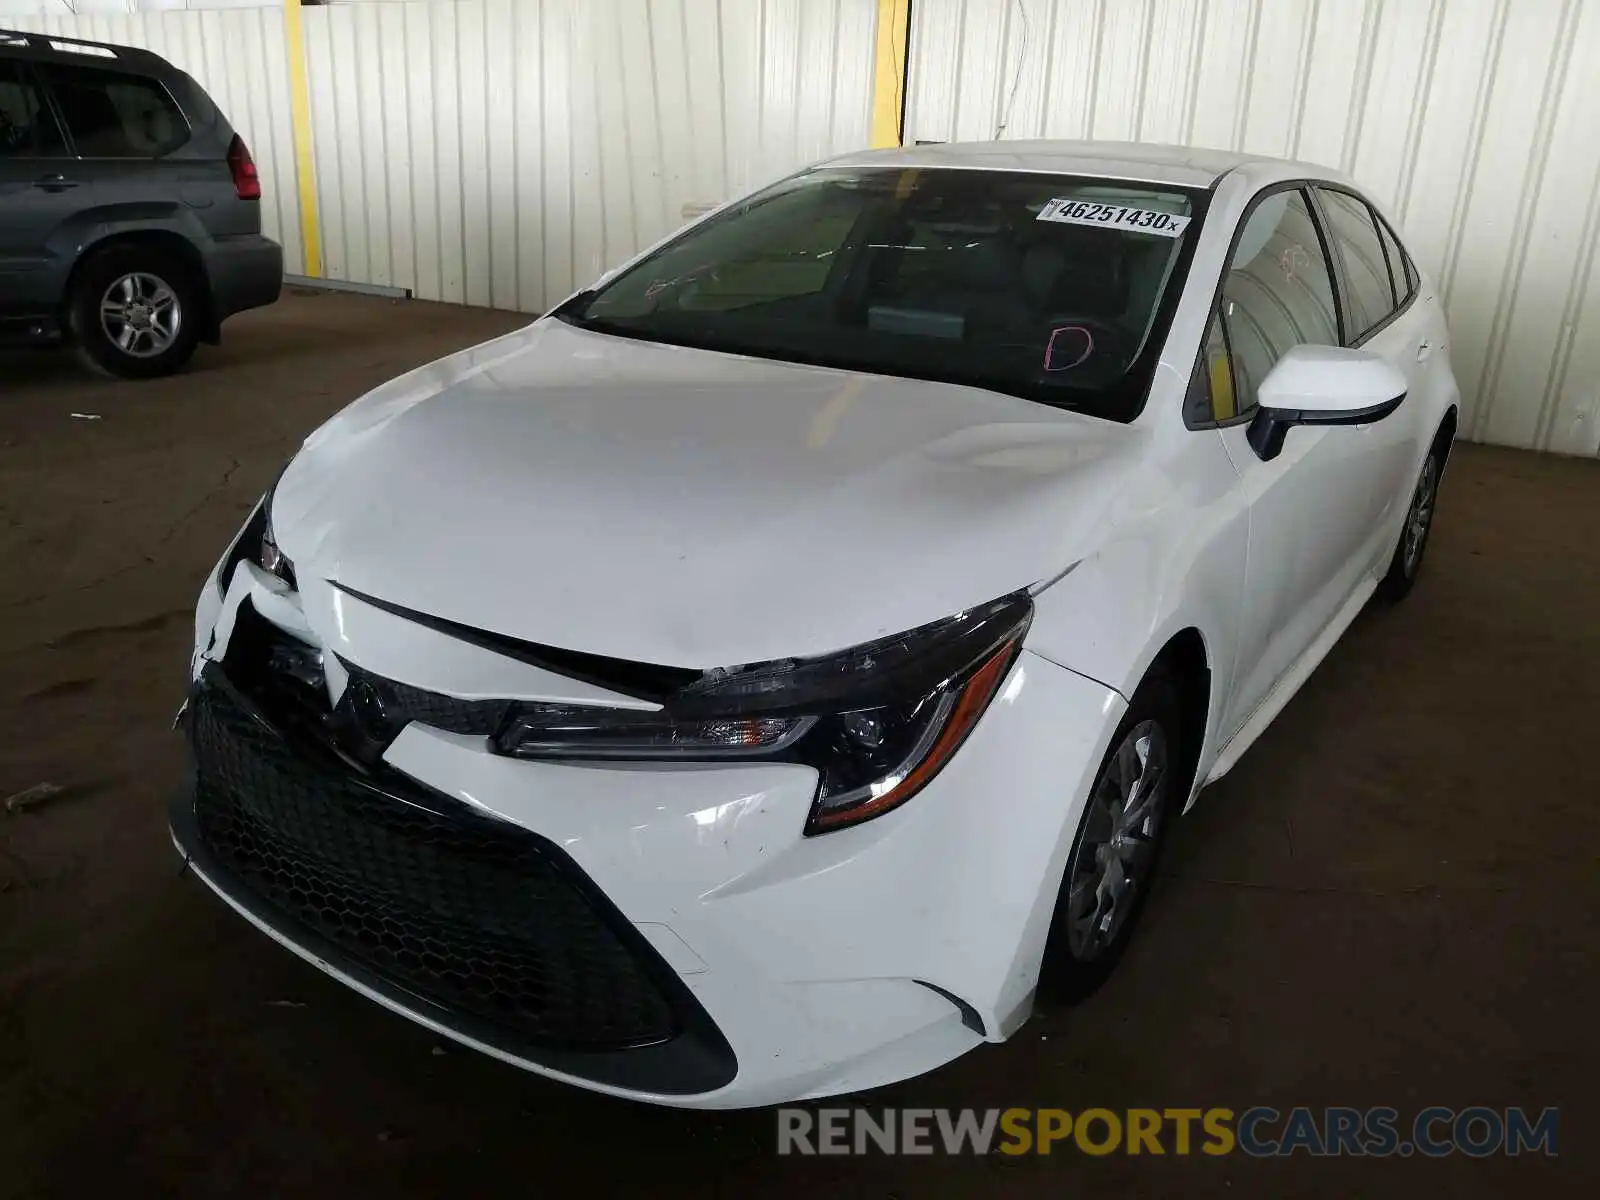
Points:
[(477, 928), (722, 958)]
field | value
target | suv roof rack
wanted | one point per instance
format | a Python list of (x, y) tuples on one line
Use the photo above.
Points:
[(57, 44)]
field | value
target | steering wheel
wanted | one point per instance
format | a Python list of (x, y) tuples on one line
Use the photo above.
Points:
[(1073, 341)]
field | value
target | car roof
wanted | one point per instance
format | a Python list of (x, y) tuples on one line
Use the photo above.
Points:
[(50, 47), (1182, 166)]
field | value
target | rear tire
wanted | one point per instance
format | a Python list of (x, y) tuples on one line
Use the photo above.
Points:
[(135, 312), (1135, 798), (1396, 585)]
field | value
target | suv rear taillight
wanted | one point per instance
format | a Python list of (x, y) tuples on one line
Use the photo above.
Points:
[(246, 179)]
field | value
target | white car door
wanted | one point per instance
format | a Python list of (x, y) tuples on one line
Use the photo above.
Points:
[(1312, 506), (1383, 314), (1419, 300)]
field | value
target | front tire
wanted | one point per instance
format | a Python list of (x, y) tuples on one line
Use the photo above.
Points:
[(1134, 800), (135, 313)]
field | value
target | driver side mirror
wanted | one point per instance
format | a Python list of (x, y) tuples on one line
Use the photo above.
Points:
[(1322, 385)]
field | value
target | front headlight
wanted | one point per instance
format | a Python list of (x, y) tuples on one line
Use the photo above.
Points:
[(257, 543), (877, 721), (268, 557)]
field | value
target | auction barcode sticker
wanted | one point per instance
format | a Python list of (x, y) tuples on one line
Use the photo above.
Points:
[(1113, 216)]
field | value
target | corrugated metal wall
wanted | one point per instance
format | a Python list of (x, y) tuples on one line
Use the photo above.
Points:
[(1474, 121), (505, 152), (238, 56), (96, 8)]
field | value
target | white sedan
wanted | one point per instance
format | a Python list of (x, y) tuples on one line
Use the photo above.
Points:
[(763, 675)]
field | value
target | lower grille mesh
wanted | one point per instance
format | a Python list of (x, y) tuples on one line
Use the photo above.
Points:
[(460, 910)]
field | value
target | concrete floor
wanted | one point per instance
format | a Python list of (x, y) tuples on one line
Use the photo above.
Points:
[(1393, 900)]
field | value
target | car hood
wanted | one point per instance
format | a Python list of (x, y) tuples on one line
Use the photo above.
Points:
[(690, 508)]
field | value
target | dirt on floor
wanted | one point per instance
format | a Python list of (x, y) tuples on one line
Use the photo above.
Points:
[(1393, 900)]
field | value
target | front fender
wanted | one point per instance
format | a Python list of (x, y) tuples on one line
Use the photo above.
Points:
[(1176, 562)]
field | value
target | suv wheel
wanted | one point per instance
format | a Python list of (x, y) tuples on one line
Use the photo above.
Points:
[(135, 312)]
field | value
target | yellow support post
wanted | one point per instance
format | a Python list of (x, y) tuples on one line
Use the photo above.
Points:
[(889, 75), (300, 118)]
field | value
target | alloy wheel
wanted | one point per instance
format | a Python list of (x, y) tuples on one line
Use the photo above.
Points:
[(1420, 514), (1115, 855), (141, 315)]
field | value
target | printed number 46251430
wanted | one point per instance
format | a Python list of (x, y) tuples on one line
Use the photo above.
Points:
[(1083, 212)]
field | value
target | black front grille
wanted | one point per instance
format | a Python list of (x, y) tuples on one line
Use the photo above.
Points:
[(386, 706), (479, 925), (466, 912), (287, 677)]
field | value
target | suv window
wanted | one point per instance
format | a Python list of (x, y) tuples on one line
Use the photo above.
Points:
[(115, 115), (1370, 294), (1278, 292), (27, 129)]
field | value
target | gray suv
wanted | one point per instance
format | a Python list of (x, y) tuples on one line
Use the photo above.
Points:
[(130, 211)]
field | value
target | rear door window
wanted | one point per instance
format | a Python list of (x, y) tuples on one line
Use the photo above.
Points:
[(112, 114), (27, 128), (1370, 293), (1404, 274)]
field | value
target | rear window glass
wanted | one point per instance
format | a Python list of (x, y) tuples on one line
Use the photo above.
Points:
[(1047, 286), (110, 114)]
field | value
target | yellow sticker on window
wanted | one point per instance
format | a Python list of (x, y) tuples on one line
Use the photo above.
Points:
[(1223, 404)]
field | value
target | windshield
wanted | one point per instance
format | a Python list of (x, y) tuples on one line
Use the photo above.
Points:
[(1053, 287)]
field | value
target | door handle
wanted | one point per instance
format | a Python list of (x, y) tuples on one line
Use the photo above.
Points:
[(1424, 350), (55, 183)]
